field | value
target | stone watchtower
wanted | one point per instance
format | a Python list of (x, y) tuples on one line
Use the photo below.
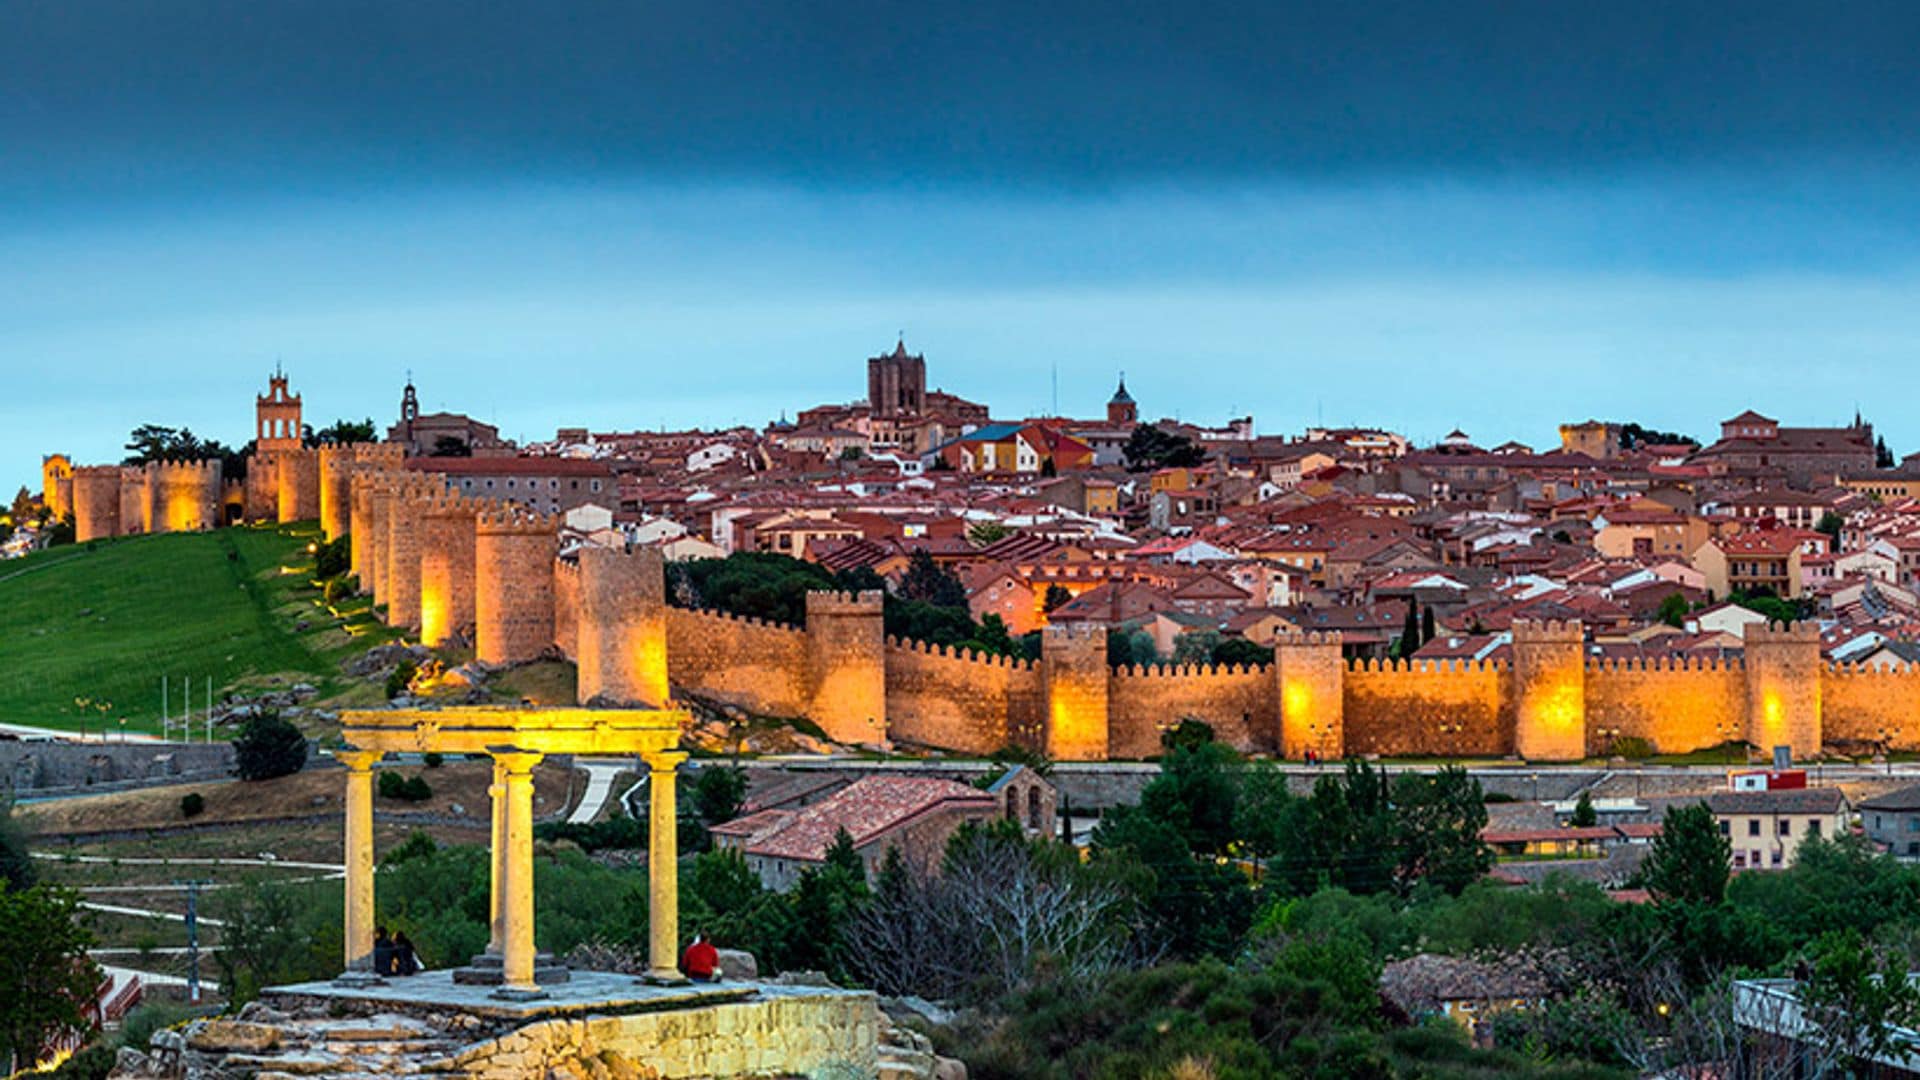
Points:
[(56, 485), (1073, 662), (513, 557), (412, 496), (1783, 687), (96, 502), (847, 665), (1310, 677), (446, 568), (277, 418), (622, 647), (1549, 691)]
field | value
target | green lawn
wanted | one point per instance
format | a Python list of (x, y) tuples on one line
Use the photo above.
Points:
[(88, 632)]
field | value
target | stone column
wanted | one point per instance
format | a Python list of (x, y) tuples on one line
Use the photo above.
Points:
[(497, 845), (517, 953), (359, 856), (663, 868)]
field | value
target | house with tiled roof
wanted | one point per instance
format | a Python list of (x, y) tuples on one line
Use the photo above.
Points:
[(915, 814)]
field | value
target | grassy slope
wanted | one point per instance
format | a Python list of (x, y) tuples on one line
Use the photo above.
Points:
[(106, 624)]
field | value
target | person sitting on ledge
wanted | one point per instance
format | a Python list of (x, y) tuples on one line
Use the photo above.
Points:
[(701, 962), (382, 952), (405, 960)]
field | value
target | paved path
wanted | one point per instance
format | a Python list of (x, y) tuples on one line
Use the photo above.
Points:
[(600, 774), (52, 856), (146, 913), (27, 731)]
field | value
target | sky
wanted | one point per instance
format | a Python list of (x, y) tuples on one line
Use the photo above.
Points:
[(627, 214)]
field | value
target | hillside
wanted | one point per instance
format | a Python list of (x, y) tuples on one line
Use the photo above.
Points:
[(87, 632)]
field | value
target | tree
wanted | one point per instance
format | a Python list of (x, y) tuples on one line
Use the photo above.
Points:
[(1689, 859), (23, 502), (1149, 447), (450, 446), (1436, 823), (1859, 998), (1882, 457), (1409, 640), (1633, 436), (1195, 646), (718, 792), (333, 558), (987, 533), (341, 432), (1584, 815), (1340, 835), (269, 746), (1056, 596), (1831, 524), (16, 864), (1426, 626), (1673, 610), (930, 583), (1240, 651), (46, 979)]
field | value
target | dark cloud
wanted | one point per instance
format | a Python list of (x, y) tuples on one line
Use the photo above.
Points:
[(294, 92)]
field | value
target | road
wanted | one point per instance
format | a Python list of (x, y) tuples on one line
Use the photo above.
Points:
[(600, 776)]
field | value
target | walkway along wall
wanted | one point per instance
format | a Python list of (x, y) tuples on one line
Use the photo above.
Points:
[(606, 610)]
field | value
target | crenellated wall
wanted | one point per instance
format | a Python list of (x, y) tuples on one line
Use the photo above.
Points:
[(606, 610), (446, 527), (1406, 707), (957, 699), (96, 502), (1237, 702), (846, 666), (296, 485), (760, 666), (513, 557), (183, 496), (621, 636)]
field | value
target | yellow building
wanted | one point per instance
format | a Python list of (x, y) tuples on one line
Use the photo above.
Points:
[(1766, 828)]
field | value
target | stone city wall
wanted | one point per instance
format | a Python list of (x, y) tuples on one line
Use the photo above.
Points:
[(1552, 701)]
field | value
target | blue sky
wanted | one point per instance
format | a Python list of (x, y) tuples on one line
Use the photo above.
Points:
[(629, 214)]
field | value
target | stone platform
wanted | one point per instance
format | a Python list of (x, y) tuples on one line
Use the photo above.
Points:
[(596, 1022), (583, 992)]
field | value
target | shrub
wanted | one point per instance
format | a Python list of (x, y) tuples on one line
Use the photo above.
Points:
[(93, 1063), (333, 558), (432, 759), (1632, 746), (192, 804), (404, 788), (390, 784), (416, 789), (399, 677), (268, 747)]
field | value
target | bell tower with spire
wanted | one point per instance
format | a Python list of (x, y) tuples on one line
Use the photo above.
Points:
[(276, 416), (1121, 411)]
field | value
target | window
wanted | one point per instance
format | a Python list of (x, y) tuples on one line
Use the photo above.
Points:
[(1813, 827), (1726, 827), (1778, 856), (1786, 826), (1753, 827)]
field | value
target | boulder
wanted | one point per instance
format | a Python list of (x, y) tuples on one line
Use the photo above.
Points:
[(738, 964), (233, 1035)]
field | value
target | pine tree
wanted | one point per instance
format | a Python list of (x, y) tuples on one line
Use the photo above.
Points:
[(1426, 626), (1689, 859), (1584, 815), (1410, 631)]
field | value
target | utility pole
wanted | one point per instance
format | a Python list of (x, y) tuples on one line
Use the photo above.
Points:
[(193, 941), (164, 679), (207, 700)]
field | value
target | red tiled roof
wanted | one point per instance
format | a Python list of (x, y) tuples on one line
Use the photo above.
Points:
[(865, 809)]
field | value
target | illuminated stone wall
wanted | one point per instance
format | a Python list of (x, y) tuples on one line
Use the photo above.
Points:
[(847, 666), (136, 506), (513, 556), (1784, 676), (96, 502), (1143, 702), (56, 484), (1410, 707), (446, 526), (1077, 681), (183, 496), (336, 465), (955, 699), (1308, 672), (1549, 691), (1677, 705), (759, 666), (412, 497), (297, 485), (621, 637)]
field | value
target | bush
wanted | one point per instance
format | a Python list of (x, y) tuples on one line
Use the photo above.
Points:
[(268, 747), (93, 1063), (1632, 746), (192, 804), (399, 677), (156, 1015), (333, 558), (406, 789), (432, 759), (340, 588)]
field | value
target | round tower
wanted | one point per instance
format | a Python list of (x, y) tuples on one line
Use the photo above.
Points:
[(336, 493), (405, 519), (446, 568), (622, 631), (1310, 675), (1783, 688), (298, 490), (1073, 660), (513, 555), (96, 502), (1550, 690)]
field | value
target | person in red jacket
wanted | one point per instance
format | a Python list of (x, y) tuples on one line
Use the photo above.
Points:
[(701, 961)]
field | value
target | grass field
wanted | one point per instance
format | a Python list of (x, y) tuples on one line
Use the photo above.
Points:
[(88, 632)]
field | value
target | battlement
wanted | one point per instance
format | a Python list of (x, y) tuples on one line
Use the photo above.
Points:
[(865, 602), (1188, 671), (1552, 631), (192, 471), (959, 654), (512, 520), (1073, 632), (1294, 639), (744, 620), (1620, 664), (1376, 665), (1772, 633)]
